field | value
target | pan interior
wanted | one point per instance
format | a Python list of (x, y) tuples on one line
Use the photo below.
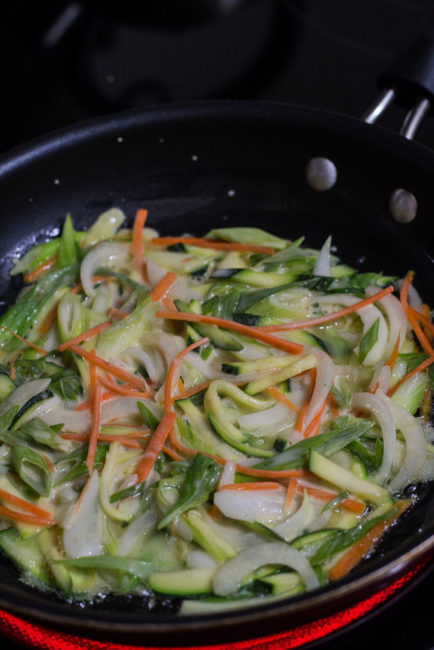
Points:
[(203, 166)]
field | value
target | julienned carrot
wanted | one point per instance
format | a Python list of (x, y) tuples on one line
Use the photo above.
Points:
[(250, 485), (333, 406), (302, 413), (20, 338), (105, 365), (127, 441), (419, 368), (118, 313), (350, 504), (84, 336), (315, 423), (310, 322), (23, 504), (392, 359), (48, 321), (172, 453), (270, 473), (155, 445), (168, 399), (137, 242), (290, 492), (425, 344), (163, 286), (280, 397), (12, 369), (96, 278), (201, 242), (252, 332), (353, 556), (424, 320), (96, 420), (36, 520), (36, 273), (129, 391)]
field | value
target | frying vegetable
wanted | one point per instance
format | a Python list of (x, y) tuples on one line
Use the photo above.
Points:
[(223, 417)]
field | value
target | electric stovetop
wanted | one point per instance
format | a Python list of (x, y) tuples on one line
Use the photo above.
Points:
[(64, 61)]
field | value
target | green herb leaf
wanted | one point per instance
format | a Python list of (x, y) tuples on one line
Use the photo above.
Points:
[(369, 340), (200, 481), (67, 248), (32, 468), (148, 417), (77, 462)]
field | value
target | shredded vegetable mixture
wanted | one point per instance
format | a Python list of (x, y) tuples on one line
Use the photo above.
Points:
[(217, 420)]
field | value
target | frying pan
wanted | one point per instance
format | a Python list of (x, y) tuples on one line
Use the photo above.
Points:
[(208, 165)]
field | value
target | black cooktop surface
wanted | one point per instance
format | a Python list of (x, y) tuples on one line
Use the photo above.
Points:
[(64, 61)]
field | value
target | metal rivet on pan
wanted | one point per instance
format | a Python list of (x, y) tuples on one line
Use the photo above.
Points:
[(321, 174), (403, 206)]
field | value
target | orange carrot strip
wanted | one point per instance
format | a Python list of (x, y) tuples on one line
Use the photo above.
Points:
[(105, 365), (163, 286), (252, 332), (127, 441), (12, 369), (353, 556), (22, 503), (290, 492), (48, 321), (392, 359), (310, 322), (424, 320), (168, 399), (25, 518), (280, 397), (168, 304), (20, 338), (113, 311), (425, 344), (155, 445), (36, 273), (350, 504), (96, 420), (315, 422), (353, 505), (79, 287), (270, 473), (302, 413), (137, 242), (124, 390), (84, 336), (250, 485), (419, 368), (202, 242), (172, 453)]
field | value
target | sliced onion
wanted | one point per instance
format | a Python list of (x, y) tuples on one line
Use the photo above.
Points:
[(381, 378), (368, 316), (122, 407), (228, 474), (105, 254), (267, 422), (322, 266), (155, 272), (265, 506), (200, 560), (73, 421), (151, 360), (415, 445), (376, 405), (136, 532), (206, 369), (83, 529), (325, 372), (396, 317), (231, 575), (296, 523)]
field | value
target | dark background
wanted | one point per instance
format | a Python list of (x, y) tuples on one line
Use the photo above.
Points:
[(62, 62)]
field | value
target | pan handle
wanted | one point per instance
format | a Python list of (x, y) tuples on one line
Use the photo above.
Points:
[(409, 81)]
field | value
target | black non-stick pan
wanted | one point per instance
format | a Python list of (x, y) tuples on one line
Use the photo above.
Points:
[(201, 166)]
